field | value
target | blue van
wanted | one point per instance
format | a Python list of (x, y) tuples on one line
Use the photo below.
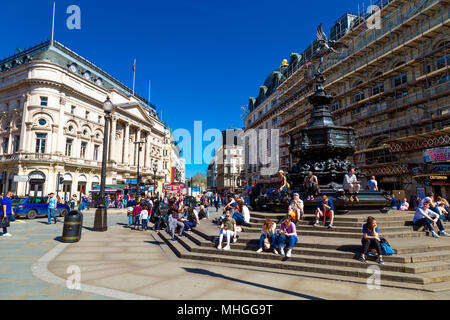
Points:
[(32, 207)]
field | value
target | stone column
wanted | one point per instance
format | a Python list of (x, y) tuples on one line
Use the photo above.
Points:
[(112, 141), (61, 143), (126, 138)]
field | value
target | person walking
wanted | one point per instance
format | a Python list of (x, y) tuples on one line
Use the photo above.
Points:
[(144, 218), (6, 214), (73, 201), (51, 200), (206, 203)]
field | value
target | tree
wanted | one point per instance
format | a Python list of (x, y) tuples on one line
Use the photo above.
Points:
[(199, 180)]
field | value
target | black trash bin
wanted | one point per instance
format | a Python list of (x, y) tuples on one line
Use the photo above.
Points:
[(73, 225)]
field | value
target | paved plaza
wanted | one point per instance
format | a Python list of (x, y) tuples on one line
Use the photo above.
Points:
[(130, 264)]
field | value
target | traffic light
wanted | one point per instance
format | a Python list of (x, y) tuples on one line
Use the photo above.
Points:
[(156, 183), (61, 180)]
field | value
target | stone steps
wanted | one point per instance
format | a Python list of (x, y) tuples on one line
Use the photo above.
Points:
[(317, 268), (305, 256), (351, 252), (358, 230), (256, 222)]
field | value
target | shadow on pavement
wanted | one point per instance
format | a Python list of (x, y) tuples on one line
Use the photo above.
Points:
[(155, 242), (88, 228), (59, 239), (217, 275)]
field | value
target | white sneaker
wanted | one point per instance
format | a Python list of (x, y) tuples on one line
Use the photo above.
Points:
[(259, 250), (282, 251), (316, 224), (434, 235), (227, 247), (7, 235), (219, 247), (443, 233), (288, 253), (275, 251), (234, 240)]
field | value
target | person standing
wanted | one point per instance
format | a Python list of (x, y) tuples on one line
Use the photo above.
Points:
[(216, 201), (51, 200), (144, 218), (6, 213), (205, 202), (73, 201), (372, 184), (351, 185)]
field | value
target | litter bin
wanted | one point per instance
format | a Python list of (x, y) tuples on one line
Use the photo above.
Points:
[(73, 224)]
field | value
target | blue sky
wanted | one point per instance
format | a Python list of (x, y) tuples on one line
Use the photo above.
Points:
[(204, 58)]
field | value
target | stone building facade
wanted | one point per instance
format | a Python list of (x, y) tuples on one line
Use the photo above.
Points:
[(52, 122)]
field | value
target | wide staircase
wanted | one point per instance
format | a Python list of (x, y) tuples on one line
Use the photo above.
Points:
[(420, 263)]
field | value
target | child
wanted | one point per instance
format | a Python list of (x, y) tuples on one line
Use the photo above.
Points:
[(130, 216), (143, 217)]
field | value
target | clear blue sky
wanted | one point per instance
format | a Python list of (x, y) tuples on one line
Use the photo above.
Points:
[(204, 58)]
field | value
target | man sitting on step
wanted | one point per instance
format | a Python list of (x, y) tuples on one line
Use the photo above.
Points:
[(325, 209), (424, 216), (351, 185)]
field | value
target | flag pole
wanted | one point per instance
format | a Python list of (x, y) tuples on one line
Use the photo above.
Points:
[(53, 22), (134, 74)]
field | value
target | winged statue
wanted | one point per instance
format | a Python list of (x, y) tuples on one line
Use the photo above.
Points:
[(325, 45)]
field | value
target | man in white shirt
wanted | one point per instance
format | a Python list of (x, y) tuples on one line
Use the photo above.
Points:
[(351, 185), (424, 216), (372, 184)]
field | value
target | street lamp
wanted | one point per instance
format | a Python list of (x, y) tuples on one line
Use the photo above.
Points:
[(138, 182), (100, 221), (155, 169)]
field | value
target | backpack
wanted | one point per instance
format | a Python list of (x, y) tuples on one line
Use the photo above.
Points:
[(386, 249)]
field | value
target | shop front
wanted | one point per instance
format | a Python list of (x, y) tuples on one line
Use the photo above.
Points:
[(67, 187), (434, 174), (37, 181)]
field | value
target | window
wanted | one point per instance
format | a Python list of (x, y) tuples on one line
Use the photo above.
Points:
[(5, 145), (86, 115), (401, 95), (400, 79), (359, 96), (16, 144), (69, 143), (40, 142), (335, 106), (72, 110), (379, 88), (96, 152), (99, 119), (44, 101), (83, 150), (42, 122)]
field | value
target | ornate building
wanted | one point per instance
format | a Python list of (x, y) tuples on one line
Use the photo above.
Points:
[(52, 122), (390, 84)]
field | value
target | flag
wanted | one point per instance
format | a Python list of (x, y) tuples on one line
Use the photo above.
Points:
[(134, 65)]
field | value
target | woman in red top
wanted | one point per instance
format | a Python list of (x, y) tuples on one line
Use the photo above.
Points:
[(136, 213)]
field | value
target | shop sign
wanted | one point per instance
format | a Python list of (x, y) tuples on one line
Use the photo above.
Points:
[(438, 177), (437, 155)]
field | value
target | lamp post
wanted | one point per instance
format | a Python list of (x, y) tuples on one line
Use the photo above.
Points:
[(138, 182), (100, 221), (155, 169)]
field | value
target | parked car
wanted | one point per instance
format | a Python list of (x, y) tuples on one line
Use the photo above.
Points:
[(32, 207)]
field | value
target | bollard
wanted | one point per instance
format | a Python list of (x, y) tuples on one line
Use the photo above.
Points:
[(73, 224)]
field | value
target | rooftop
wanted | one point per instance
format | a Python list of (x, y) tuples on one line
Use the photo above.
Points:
[(66, 58)]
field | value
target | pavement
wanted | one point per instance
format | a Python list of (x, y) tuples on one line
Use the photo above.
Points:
[(130, 264)]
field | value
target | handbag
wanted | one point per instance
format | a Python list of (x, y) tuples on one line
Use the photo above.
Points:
[(266, 244), (386, 248), (4, 222)]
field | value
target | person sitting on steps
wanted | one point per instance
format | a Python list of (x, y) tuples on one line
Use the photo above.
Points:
[(311, 185), (351, 185), (228, 229), (288, 236), (268, 232), (426, 217), (325, 209), (296, 209), (371, 239)]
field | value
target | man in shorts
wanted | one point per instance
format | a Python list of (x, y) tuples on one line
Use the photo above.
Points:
[(325, 209)]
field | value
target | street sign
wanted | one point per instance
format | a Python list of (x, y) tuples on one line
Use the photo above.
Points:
[(21, 178), (131, 181)]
